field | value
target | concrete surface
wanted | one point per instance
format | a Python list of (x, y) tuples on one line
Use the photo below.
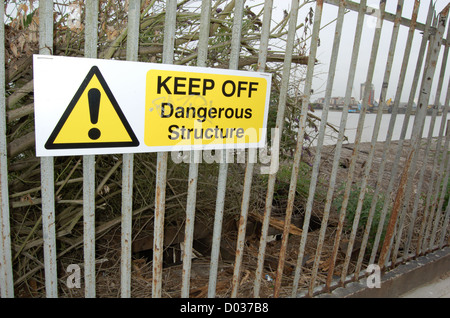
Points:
[(425, 277), (439, 288)]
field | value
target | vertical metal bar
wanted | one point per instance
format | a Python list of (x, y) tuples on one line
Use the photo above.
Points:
[(348, 183), (91, 22), (217, 231), (434, 49), (374, 140), (128, 159), (90, 50), (204, 33), (434, 188), (195, 159), (438, 216), (158, 240), (6, 273), (47, 169), (161, 164), (388, 140), (189, 223), (234, 62), (399, 229), (435, 207), (337, 155), (447, 213), (220, 199), (317, 159), (447, 141), (278, 128), (432, 195), (297, 157), (427, 150), (442, 179), (264, 44), (402, 134), (431, 62)]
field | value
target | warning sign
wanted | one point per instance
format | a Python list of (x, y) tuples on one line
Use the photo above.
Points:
[(190, 108), (93, 119), (92, 106)]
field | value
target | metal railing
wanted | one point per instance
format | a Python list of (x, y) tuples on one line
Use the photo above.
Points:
[(388, 249)]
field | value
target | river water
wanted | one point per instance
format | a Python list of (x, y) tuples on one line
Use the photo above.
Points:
[(334, 118)]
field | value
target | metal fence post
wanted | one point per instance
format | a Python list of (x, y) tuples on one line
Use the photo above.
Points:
[(90, 51), (195, 159), (387, 144), (432, 56), (403, 134), (134, 7), (47, 169), (6, 273), (317, 159), (296, 164), (162, 157)]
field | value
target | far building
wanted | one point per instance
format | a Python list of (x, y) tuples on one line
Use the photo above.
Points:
[(371, 94)]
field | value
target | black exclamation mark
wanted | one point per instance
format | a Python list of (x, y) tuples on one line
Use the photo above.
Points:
[(94, 107)]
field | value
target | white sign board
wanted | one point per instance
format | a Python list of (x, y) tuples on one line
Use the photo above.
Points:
[(92, 106)]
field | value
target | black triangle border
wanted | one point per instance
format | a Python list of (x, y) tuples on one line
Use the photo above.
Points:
[(50, 145)]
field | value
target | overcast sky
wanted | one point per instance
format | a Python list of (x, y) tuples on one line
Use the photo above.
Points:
[(326, 43)]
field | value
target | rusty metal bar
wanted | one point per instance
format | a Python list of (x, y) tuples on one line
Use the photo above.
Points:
[(193, 166), (348, 183), (399, 229), (388, 140), (161, 164), (317, 159), (447, 210), (296, 164), (223, 171), (370, 72), (337, 155), (434, 188), (217, 231), (374, 140), (6, 273), (447, 141), (407, 173), (264, 44), (47, 169), (90, 51), (134, 7), (431, 193), (437, 200), (402, 134), (250, 165), (441, 179), (438, 216), (426, 156), (234, 61), (431, 62)]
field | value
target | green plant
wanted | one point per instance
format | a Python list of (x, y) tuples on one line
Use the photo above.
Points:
[(352, 205)]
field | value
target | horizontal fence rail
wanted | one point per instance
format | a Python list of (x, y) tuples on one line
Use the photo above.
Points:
[(308, 213)]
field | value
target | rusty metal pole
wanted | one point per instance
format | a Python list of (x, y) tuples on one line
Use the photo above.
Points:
[(161, 164), (427, 80), (6, 271), (399, 151), (90, 51), (349, 180), (195, 156), (297, 156), (47, 168)]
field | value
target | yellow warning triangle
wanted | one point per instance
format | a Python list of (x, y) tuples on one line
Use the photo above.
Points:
[(93, 119)]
